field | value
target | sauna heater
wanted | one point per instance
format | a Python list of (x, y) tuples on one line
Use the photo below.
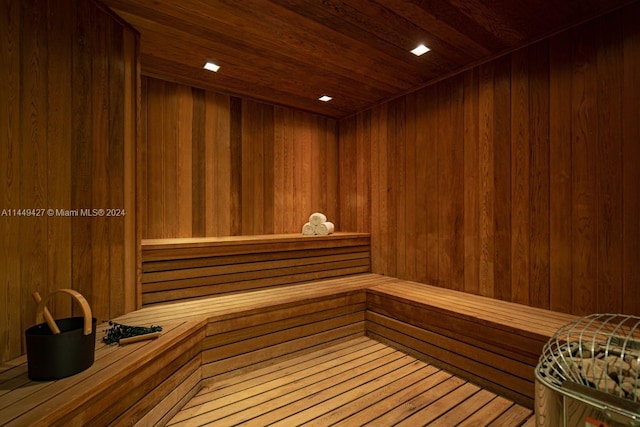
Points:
[(587, 374)]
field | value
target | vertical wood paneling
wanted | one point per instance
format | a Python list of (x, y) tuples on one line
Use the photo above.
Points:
[(539, 176), (421, 226), (252, 166), (218, 207), (502, 180), (59, 127), (152, 133), (363, 179), (526, 172), (560, 188), (264, 169), (486, 170), (142, 166), (446, 174), (380, 188), (235, 141), (410, 185), (450, 182), (471, 179), (184, 163), (65, 138), (10, 171), (170, 126), (329, 133), (431, 163), (99, 170), (584, 123), (631, 160), (34, 161), (520, 172), (396, 143), (279, 174), (349, 169), (300, 164), (199, 159), (131, 116), (118, 151), (609, 155)]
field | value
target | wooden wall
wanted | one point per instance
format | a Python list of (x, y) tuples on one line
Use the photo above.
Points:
[(518, 179), (68, 124), (216, 165)]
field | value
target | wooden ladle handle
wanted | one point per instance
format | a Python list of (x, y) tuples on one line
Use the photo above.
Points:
[(47, 315)]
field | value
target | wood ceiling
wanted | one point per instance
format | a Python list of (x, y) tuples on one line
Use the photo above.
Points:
[(290, 52)]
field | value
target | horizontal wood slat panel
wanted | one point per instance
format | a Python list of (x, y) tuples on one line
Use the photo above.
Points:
[(417, 342), (252, 285), (264, 357), (281, 265), (175, 269), (264, 340), (274, 324), (248, 258), (161, 249)]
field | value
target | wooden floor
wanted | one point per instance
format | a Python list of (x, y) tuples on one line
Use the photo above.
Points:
[(355, 383)]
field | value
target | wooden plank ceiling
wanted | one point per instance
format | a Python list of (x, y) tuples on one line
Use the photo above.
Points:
[(290, 52)]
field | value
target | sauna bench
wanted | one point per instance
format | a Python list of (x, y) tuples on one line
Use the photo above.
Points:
[(493, 343), (179, 269)]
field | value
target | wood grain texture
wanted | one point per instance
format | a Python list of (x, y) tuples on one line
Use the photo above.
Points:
[(66, 139), (287, 52), (182, 269), (213, 342), (631, 157), (560, 166), (10, 171), (528, 162), (355, 382), (219, 166)]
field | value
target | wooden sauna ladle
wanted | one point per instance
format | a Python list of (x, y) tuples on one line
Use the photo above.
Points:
[(47, 315)]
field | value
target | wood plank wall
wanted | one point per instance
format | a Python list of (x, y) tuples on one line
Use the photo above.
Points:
[(517, 179), (216, 165), (68, 123)]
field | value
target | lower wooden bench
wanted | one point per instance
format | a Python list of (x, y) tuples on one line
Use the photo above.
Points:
[(203, 341), (124, 383), (491, 342)]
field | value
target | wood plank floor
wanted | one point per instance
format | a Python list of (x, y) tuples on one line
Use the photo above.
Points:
[(355, 383)]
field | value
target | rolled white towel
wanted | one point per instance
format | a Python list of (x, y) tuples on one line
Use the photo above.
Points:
[(325, 228), (317, 218), (308, 229)]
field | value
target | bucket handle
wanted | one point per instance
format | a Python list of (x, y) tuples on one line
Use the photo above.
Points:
[(86, 310)]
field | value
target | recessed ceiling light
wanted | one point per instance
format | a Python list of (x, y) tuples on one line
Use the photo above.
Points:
[(420, 50), (325, 98), (211, 66)]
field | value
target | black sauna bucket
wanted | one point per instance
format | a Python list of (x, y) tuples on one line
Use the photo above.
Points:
[(53, 356)]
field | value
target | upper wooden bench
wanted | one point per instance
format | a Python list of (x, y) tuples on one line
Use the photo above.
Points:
[(179, 269)]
